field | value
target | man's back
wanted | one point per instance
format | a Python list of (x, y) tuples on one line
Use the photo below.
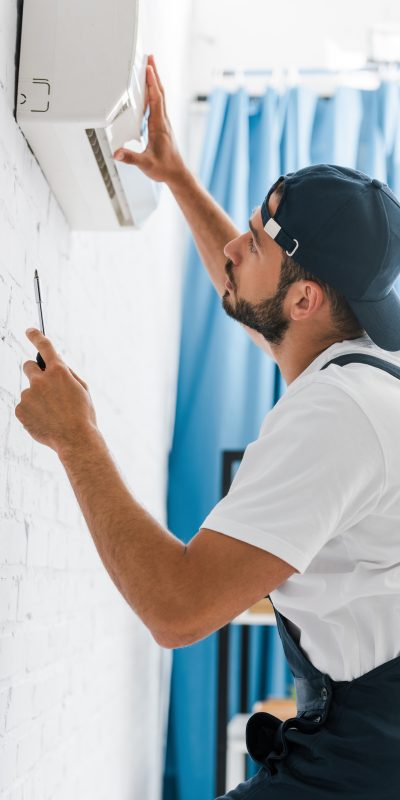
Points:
[(353, 583), (320, 488)]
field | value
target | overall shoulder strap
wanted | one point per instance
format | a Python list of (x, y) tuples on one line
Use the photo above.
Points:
[(364, 358)]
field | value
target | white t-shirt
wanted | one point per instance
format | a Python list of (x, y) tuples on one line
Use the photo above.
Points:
[(320, 488)]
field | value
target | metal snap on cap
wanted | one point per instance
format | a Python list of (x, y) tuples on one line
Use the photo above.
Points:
[(324, 693), (377, 183), (317, 719)]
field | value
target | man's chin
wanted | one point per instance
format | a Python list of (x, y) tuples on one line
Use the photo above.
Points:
[(226, 305)]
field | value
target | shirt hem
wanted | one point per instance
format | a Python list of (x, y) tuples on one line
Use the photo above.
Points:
[(258, 538)]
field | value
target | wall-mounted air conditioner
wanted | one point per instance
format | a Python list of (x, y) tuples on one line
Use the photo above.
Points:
[(81, 95)]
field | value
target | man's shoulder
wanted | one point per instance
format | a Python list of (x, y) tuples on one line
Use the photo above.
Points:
[(323, 397), (352, 378)]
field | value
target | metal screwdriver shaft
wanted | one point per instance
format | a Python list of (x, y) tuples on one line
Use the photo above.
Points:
[(38, 298)]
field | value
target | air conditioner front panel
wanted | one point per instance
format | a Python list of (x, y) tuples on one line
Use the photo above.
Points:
[(83, 52)]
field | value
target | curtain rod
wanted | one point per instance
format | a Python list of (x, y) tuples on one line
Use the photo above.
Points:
[(370, 66), (284, 72)]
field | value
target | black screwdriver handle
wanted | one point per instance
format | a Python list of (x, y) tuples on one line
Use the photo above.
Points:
[(40, 361)]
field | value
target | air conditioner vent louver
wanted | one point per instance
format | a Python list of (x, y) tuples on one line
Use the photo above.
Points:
[(91, 134), (112, 182)]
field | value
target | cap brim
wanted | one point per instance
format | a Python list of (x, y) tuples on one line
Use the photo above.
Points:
[(381, 319)]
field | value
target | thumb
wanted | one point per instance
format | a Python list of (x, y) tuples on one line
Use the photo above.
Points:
[(127, 156)]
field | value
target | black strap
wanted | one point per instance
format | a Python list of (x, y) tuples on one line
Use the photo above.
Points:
[(363, 358)]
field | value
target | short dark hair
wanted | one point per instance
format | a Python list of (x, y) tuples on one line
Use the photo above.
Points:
[(345, 321)]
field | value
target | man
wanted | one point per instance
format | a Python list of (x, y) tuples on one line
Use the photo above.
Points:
[(313, 513)]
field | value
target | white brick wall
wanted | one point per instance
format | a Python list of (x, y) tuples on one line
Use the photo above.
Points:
[(83, 686)]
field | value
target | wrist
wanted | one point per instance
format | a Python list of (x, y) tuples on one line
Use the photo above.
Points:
[(79, 441), (178, 177)]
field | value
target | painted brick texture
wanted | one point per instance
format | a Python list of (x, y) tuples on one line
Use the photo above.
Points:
[(83, 686)]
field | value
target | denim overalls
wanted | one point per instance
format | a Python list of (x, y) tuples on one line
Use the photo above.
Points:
[(345, 739)]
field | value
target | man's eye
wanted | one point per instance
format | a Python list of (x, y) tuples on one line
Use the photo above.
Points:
[(252, 247)]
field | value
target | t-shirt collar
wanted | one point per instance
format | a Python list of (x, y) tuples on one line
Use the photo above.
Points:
[(335, 349)]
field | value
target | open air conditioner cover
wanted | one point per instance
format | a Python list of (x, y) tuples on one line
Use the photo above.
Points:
[(81, 95)]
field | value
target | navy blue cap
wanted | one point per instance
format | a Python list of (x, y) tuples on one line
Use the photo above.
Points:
[(344, 227)]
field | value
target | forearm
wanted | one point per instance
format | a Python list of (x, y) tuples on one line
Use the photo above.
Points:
[(212, 229), (144, 560), (210, 225)]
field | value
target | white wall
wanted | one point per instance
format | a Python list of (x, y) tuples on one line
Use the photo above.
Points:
[(83, 686), (263, 34), (291, 35)]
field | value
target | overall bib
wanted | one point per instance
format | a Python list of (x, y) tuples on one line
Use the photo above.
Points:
[(345, 739)]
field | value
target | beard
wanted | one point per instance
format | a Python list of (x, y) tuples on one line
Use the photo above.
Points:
[(266, 317)]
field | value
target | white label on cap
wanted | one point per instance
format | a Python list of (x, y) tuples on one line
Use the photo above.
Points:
[(272, 228)]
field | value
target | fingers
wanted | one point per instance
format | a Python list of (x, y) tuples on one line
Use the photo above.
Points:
[(156, 120), (152, 63), (43, 345), (155, 92), (31, 369), (82, 383), (19, 408)]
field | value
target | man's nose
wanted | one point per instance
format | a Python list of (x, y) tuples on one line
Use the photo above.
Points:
[(227, 250), (231, 250)]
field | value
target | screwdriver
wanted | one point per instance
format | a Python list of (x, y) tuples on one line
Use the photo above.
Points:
[(38, 297)]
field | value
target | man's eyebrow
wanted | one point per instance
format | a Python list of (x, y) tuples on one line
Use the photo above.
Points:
[(255, 234)]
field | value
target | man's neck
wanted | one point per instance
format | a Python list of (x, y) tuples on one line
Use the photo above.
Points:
[(293, 357)]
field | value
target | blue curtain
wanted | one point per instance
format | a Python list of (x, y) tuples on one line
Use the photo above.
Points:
[(226, 384)]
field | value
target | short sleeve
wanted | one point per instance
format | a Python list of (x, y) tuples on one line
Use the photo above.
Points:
[(316, 469)]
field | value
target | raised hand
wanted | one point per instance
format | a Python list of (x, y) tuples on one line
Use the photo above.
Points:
[(161, 159)]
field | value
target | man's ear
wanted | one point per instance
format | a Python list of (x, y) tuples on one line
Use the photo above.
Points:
[(308, 298)]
